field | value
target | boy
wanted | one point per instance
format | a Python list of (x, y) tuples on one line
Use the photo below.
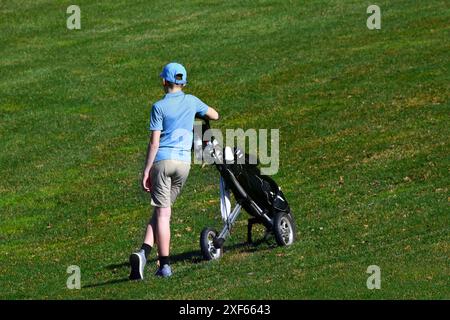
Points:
[(168, 163)]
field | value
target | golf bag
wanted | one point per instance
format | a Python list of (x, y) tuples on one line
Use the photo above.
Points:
[(256, 193)]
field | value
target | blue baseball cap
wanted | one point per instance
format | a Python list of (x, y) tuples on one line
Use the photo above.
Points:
[(175, 73)]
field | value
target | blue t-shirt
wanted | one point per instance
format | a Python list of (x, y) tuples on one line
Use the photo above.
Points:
[(174, 117)]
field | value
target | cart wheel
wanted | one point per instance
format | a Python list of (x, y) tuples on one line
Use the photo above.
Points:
[(209, 252), (284, 228)]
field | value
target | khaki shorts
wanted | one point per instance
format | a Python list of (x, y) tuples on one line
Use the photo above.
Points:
[(167, 180)]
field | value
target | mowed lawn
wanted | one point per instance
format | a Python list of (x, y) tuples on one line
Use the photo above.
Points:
[(364, 150)]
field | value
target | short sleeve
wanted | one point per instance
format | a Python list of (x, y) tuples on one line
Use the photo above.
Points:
[(156, 119), (200, 107)]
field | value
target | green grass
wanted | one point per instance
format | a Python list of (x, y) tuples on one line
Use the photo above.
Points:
[(364, 151)]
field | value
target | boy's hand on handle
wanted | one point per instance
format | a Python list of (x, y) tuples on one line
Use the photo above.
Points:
[(146, 183)]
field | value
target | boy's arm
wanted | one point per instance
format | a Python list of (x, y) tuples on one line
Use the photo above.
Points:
[(152, 149), (212, 114)]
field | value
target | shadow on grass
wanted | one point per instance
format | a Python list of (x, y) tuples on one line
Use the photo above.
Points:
[(195, 256), (106, 283), (190, 256)]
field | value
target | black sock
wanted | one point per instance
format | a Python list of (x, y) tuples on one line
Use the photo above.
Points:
[(147, 249), (163, 261)]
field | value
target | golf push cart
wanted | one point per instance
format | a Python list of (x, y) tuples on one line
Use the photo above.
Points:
[(257, 194)]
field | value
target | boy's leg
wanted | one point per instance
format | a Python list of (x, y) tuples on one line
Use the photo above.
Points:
[(163, 230), (150, 233), (179, 172), (138, 259), (167, 182), (163, 240), (161, 184)]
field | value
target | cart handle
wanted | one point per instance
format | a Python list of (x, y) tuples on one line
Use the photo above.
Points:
[(205, 120)]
